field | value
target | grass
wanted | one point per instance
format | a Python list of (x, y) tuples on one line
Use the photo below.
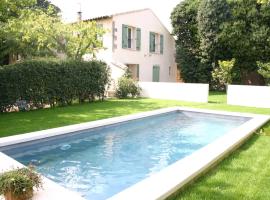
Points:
[(243, 175), (23, 122)]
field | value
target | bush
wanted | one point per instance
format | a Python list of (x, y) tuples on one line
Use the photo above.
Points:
[(264, 70), (127, 87), (223, 75), (40, 82), (19, 183)]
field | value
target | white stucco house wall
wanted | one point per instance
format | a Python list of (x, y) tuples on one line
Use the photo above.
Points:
[(139, 41)]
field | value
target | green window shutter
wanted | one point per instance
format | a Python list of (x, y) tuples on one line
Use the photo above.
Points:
[(156, 73), (124, 36), (161, 43), (152, 42), (138, 39), (138, 72)]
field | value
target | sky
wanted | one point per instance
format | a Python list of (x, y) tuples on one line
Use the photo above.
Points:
[(94, 8)]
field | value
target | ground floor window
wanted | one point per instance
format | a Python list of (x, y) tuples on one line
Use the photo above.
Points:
[(156, 70), (134, 70)]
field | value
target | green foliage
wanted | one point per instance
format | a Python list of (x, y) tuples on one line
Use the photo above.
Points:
[(38, 33), (211, 15), (127, 87), (46, 7), (264, 70), (40, 82), (33, 28), (185, 28), (13, 8), (208, 31), (20, 183), (223, 75), (10, 9), (248, 35), (12, 14), (263, 1)]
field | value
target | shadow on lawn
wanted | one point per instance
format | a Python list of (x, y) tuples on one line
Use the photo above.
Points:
[(78, 113)]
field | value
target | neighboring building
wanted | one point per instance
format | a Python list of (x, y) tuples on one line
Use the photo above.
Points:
[(139, 41)]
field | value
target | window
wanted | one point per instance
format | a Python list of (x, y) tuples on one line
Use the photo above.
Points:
[(156, 70), (134, 70), (138, 72), (131, 37), (156, 43)]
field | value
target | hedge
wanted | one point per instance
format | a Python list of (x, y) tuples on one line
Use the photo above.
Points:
[(40, 82)]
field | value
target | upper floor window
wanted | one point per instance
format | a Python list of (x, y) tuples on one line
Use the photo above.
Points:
[(131, 37), (156, 43)]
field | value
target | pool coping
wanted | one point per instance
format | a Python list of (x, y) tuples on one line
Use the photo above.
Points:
[(159, 185)]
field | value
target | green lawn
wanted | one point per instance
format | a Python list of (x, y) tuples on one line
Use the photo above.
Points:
[(243, 175), (23, 122)]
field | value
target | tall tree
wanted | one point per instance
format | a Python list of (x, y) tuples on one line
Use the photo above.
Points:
[(185, 29), (212, 14), (39, 33), (12, 11), (248, 35), (47, 7)]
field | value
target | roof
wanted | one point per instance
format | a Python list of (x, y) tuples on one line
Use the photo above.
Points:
[(116, 14), (123, 13)]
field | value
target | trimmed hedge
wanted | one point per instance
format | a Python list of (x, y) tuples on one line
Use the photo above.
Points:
[(40, 82)]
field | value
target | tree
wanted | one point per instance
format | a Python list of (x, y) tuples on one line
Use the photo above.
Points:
[(223, 75), (13, 8), (11, 11), (212, 14), (248, 35), (46, 6), (185, 28), (39, 33), (223, 30)]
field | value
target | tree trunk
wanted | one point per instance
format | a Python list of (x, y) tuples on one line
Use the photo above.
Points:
[(251, 78)]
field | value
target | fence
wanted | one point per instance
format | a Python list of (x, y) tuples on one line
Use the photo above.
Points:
[(243, 95), (175, 91)]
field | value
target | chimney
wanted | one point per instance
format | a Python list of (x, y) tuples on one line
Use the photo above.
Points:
[(79, 16), (79, 13)]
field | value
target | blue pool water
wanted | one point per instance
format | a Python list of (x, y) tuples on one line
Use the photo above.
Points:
[(101, 162)]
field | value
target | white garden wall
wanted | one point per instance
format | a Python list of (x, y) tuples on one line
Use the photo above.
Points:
[(254, 96), (175, 91)]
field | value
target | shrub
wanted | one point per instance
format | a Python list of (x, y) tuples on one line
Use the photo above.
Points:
[(264, 70), (19, 183), (223, 75), (127, 87), (40, 82)]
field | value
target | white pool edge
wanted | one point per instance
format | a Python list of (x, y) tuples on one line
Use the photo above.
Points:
[(160, 185), (50, 190)]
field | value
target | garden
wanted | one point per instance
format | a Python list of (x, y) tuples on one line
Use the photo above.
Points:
[(241, 175), (46, 82)]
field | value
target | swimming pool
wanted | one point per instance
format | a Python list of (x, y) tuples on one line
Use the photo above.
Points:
[(103, 161)]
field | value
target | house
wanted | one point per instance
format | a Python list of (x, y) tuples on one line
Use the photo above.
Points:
[(137, 40)]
